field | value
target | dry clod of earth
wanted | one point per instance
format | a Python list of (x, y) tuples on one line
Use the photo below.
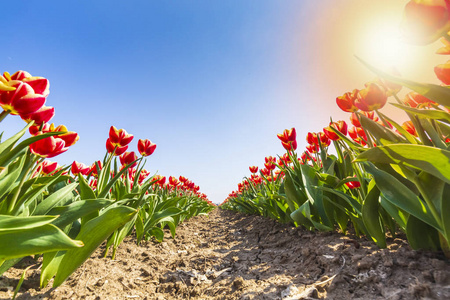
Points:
[(233, 256)]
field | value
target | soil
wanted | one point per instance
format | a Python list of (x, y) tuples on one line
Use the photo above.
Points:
[(227, 255)]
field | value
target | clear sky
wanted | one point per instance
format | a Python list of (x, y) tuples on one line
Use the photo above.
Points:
[(210, 82)]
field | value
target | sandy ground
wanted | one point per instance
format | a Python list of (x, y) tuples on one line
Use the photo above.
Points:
[(233, 256)]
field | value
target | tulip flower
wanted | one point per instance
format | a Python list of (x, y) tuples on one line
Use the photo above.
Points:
[(53, 145), (353, 184), (79, 168), (144, 174), (371, 98), (182, 179), (347, 101), (146, 147), (127, 158), (265, 172), (369, 114), (173, 181), (408, 126), (118, 140), (119, 150), (313, 148), (48, 147), (21, 101), (341, 126), (253, 169), (288, 139), (442, 72), (162, 180), (119, 137), (425, 21), (42, 115), (93, 169), (46, 167), (358, 135), (414, 99), (311, 138), (288, 135)]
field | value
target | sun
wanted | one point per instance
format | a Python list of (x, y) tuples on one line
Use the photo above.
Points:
[(382, 46)]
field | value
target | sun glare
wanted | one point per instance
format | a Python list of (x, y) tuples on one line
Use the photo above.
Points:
[(384, 48)]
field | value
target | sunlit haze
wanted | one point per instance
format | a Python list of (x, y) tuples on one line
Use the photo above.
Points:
[(210, 82)]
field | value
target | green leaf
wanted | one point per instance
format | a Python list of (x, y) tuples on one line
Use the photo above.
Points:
[(157, 232), (12, 153), (445, 209), (304, 212), (48, 203), (429, 159), (293, 195), (398, 215), (380, 132), (50, 264), (421, 236), (10, 175), (139, 225), (7, 145), (426, 113), (409, 137), (92, 233), (77, 210), (85, 190), (17, 223), (371, 215), (401, 196), (23, 242)]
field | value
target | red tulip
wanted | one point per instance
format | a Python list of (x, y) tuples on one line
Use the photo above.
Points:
[(424, 21), (119, 150), (346, 102), (443, 72), (42, 115), (358, 135), (353, 184), (144, 174), (288, 135), (47, 167), (53, 145), (408, 126), (311, 138), (119, 137), (79, 168), (173, 181), (93, 169), (22, 101), (253, 169), (341, 126), (48, 147), (371, 98), (128, 158), (414, 99), (146, 147), (265, 172)]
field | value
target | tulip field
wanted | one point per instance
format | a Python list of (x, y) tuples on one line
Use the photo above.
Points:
[(381, 181)]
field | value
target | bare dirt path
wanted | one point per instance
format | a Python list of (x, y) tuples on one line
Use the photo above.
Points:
[(232, 256)]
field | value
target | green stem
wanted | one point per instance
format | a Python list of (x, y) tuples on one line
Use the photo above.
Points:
[(3, 115), (22, 181)]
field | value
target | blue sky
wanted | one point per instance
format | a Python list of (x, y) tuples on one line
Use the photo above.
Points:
[(210, 82)]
